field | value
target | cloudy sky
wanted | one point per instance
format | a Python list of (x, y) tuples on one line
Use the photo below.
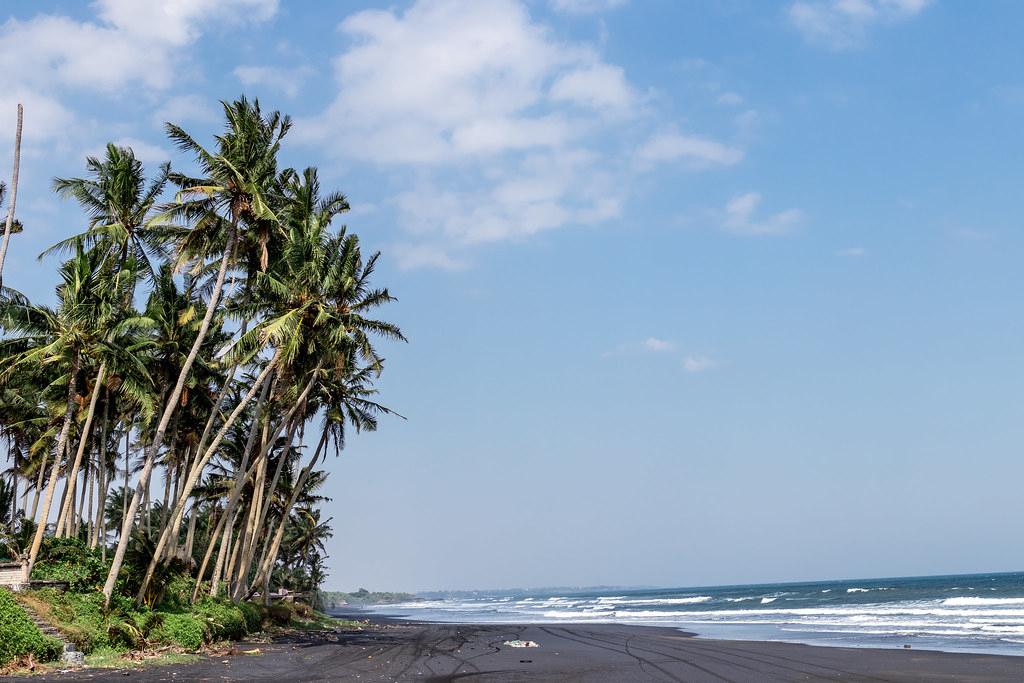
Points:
[(703, 292)]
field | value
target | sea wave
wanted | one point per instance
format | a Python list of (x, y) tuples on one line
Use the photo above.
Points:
[(967, 602)]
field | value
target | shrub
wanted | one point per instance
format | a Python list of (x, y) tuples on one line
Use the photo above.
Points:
[(226, 620), (280, 613), (71, 560), (20, 635), (178, 591), (253, 616), (184, 629)]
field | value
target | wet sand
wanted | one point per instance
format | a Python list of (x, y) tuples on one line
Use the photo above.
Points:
[(395, 651)]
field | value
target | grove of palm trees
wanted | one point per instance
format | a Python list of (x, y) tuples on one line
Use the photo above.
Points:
[(211, 344)]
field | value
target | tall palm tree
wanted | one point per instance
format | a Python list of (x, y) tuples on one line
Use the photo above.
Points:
[(237, 177), (61, 337), (121, 206)]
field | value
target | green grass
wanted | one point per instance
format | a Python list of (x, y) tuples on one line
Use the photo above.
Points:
[(83, 621), (110, 658), (19, 636)]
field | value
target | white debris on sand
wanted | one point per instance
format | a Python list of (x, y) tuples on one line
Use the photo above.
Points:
[(520, 643)]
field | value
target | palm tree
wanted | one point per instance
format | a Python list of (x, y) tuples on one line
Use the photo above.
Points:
[(120, 206), (61, 337), (233, 191)]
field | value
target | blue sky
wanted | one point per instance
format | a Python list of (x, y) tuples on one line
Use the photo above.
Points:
[(696, 293)]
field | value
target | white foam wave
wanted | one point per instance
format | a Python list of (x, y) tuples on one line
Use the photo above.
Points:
[(967, 602), (690, 600)]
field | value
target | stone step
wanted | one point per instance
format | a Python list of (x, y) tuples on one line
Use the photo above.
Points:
[(71, 654)]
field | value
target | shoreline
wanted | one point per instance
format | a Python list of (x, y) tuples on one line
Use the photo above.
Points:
[(392, 649)]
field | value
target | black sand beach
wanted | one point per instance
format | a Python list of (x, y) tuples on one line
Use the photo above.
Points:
[(394, 651)]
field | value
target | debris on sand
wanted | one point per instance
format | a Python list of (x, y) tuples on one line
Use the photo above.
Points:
[(520, 643)]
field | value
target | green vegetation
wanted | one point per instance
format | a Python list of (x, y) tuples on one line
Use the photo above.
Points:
[(108, 658), (332, 599), (19, 636), (206, 322)]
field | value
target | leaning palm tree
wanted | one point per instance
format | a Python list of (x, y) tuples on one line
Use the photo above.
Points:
[(62, 337), (232, 192)]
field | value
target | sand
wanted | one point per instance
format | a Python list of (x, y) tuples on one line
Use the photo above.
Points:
[(402, 651)]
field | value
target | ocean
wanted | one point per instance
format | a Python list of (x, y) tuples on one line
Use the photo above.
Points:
[(966, 613)]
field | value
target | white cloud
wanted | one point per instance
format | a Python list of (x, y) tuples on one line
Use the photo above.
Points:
[(598, 86), (133, 42), (585, 6), (286, 80), (739, 217), (674, 146), (490, 126), (843, 24), (182, 108), (411, 256), (447, 81), (658, 345), (45, 117), (853, 252), (697, 363), (177, 22), (730, 99), (129, 44)]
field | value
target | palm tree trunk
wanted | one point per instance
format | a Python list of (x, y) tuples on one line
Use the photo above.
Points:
[(104, 482), (12, 453), (234, 566), (62, 440), (72, 478), (39, 485), (210, 546), (14, 195), (225, 550), (264, 507), (88, 493), (190, 537), (270, 558), (165, 419), (127, 471), (200, 464), (247, 533), (239, 483), (172, 544)]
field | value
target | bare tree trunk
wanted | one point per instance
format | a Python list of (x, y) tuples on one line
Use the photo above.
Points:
[(39, 485), (200, 464), (14, 195), (190, 537), (247, 531), (72, 478), (62, 440), (127, 472), (172, 545), (165, 419), (269, 558), (87, 494), (210, 545), (225, 550), (236, 493), (263, 505), (12, 453), (167, 496), (104, 482)]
